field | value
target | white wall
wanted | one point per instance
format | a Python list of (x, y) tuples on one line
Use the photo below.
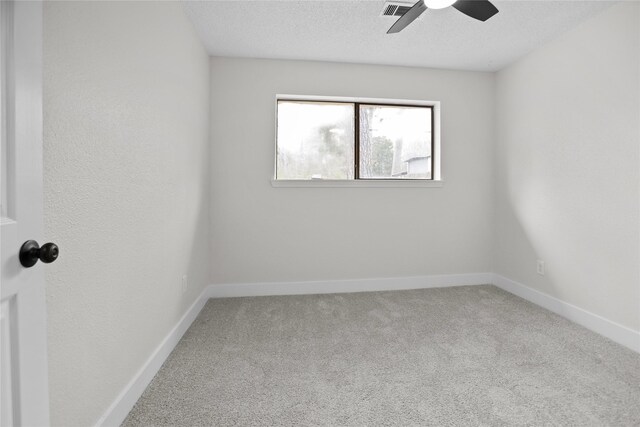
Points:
[(567, 167), (126, 110), (263, 234)]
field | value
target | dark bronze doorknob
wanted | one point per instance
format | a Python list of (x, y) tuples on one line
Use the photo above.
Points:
[(31, 252)]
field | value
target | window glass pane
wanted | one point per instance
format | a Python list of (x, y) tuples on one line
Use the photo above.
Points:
[(315, 140), (395, 142)]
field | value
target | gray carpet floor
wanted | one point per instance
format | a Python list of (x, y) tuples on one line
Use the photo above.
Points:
[(470, 355)]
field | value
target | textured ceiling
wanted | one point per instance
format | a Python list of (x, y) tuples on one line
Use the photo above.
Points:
[(354, 31)]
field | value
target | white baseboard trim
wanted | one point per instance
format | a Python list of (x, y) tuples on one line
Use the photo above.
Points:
[(598, 324), (344, 286), (119, 409)]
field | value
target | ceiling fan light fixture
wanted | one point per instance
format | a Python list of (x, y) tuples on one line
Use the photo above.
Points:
[(438, 4)]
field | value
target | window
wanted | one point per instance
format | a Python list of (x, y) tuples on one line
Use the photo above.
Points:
[(315, 140), (354, 140)]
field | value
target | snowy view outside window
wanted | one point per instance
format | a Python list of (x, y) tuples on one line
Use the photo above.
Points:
[(316, 140)]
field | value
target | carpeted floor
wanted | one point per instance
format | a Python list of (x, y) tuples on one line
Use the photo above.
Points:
[(470, 355)]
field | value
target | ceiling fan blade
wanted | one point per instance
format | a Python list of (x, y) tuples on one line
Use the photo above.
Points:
[(408, 17), (478, 9)]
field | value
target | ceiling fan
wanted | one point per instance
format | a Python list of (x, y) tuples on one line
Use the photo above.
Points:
[(478, 9)]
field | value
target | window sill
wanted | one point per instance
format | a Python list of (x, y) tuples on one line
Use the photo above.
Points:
[(362, 183)]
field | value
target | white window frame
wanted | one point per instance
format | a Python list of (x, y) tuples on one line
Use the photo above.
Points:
[(437, 180)]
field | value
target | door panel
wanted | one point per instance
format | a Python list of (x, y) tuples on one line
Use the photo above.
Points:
[(7, 358), (23, 352)]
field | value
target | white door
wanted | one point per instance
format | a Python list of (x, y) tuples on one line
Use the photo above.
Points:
[(23, 356)]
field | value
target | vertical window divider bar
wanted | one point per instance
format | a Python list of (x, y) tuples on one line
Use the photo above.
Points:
[(277, 148), (356, 153), (433, 146)]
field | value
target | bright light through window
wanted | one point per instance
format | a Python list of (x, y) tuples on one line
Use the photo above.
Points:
[(315, 140), (323, 140), (395, 142)]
